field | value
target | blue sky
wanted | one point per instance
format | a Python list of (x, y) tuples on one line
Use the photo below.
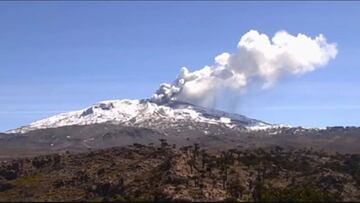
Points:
[(62, 56)]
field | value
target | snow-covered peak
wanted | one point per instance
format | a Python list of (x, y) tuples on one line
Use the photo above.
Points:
[(143, 113)]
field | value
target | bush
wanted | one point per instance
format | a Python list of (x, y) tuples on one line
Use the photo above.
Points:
[(297, 194)]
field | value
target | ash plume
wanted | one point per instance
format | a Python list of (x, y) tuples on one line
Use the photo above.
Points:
[(257, 58)]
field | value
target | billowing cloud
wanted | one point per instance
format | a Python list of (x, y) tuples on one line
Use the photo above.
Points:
[(258, 58)]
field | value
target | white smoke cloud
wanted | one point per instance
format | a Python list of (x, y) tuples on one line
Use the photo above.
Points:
[(257, 59)]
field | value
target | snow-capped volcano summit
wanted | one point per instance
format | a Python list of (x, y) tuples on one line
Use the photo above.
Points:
[(146, 113)]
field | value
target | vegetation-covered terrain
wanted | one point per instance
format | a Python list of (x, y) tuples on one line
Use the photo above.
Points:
[(167, 172)]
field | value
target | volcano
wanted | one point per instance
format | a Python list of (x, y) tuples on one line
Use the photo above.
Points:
[(148, 114), (124, 122)]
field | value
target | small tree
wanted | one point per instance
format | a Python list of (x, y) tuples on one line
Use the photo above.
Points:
[(164, 143), (196, 150), (236, 189)]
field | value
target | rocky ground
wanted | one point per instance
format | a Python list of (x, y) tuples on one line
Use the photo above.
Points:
[(167, 172)]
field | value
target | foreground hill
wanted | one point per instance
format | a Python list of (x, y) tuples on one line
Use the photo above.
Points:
[(166, 172)]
